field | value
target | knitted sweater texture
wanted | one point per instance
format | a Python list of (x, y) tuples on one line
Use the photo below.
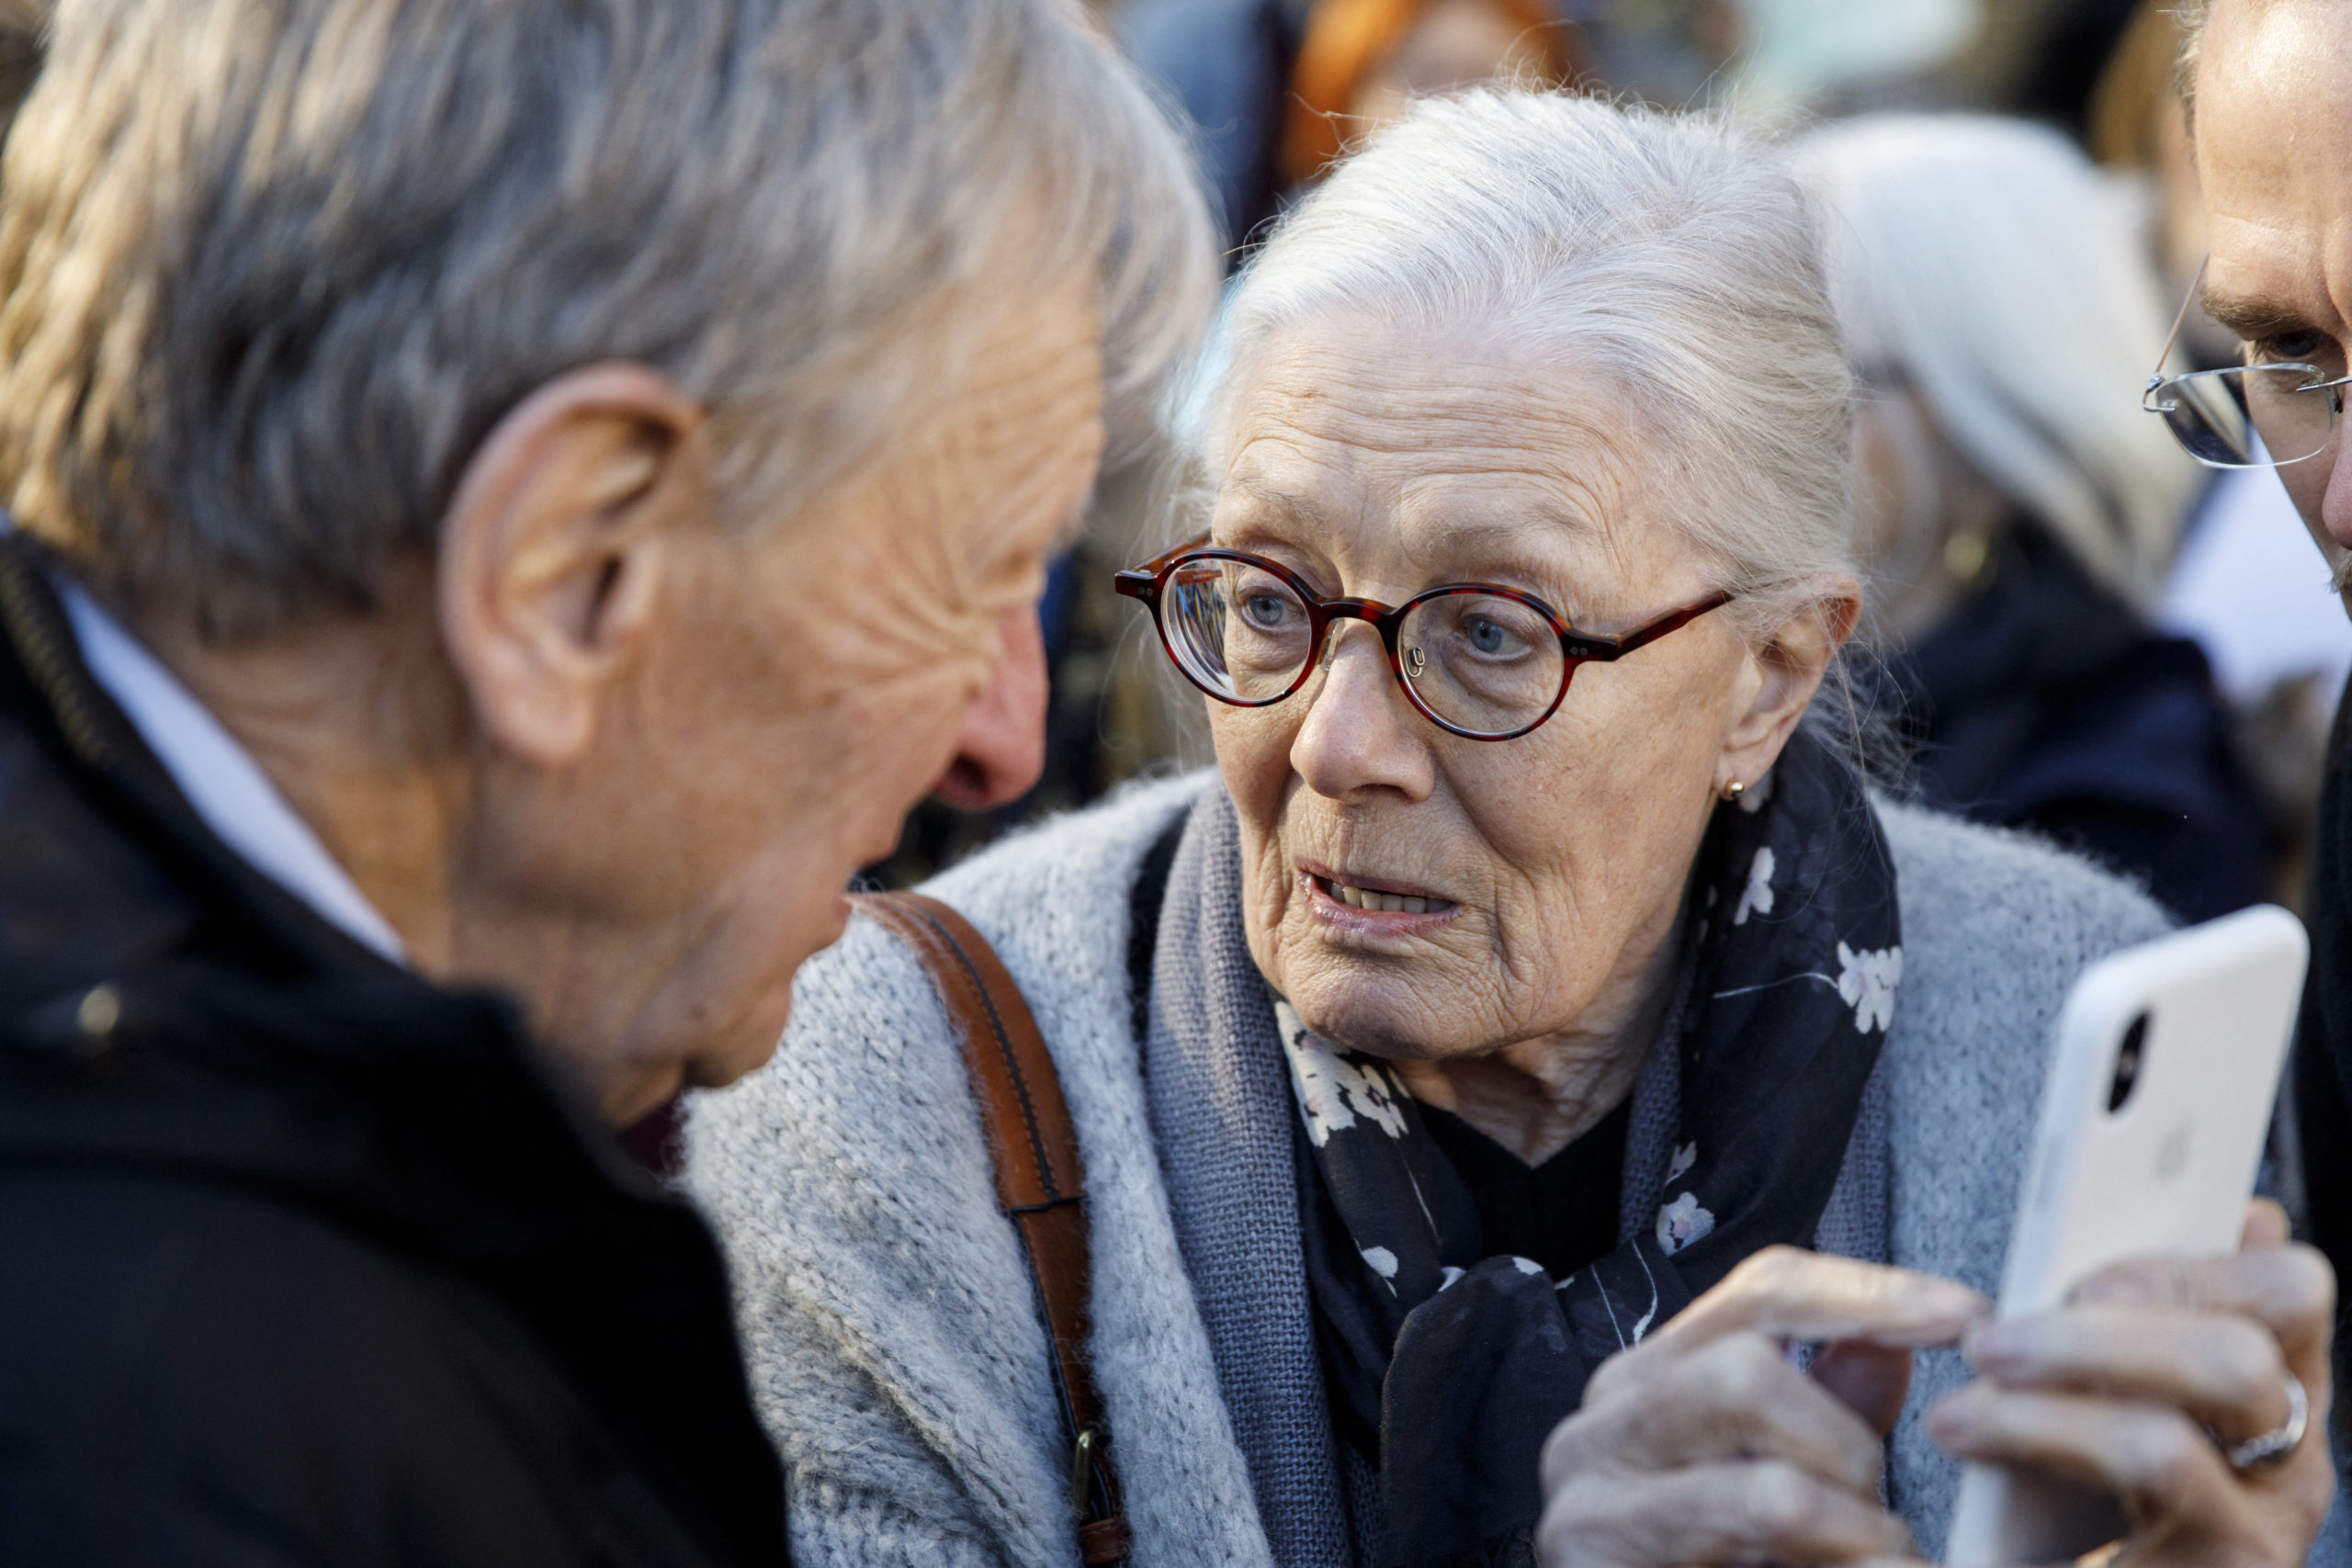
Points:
[(887, 1315)]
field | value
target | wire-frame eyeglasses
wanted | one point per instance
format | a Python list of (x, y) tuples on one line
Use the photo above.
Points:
[(1478, 661), (2244, 416)]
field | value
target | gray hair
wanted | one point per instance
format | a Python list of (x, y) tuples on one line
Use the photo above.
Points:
[(1668, 258), (1990, 265), (273, 268)]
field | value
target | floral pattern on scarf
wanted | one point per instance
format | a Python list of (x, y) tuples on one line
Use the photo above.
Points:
[(1462, 1363)]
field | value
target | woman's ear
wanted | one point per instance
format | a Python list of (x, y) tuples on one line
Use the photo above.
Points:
[(553, 550), (1790, 667)]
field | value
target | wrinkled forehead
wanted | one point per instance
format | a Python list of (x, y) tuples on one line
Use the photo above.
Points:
[(1348, 432), (2274, 156)]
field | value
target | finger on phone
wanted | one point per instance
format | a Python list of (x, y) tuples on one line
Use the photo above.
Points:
[(2227, 1371), (2266, 1226), (1787, 1293), (2288, 1290), (1734, 1398), (1760, 1511), (2152, 1456)]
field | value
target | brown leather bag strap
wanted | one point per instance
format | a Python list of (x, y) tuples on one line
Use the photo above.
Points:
[(1040, 1180)]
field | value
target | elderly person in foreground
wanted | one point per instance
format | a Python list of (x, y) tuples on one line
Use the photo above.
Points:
[(511, 504), (1533, 1017)]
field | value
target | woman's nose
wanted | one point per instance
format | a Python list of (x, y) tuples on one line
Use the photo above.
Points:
[(1359, 733)]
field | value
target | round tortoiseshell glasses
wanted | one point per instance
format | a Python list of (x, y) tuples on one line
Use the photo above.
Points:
[(1478, 661)]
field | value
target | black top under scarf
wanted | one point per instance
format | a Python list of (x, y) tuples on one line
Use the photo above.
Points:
[(1563, 1213), (1462, 1360)]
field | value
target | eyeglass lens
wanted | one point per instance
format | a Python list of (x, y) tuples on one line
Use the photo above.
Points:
[(1482, 663), (2250, 416)]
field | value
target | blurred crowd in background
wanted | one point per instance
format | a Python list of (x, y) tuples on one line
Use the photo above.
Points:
[(2076, 629)]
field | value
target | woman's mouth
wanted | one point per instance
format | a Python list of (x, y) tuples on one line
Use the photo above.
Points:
[(1375, 899), (1351, 901)]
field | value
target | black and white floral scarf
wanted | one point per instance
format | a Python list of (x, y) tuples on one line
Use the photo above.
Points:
[(1462, 1363)]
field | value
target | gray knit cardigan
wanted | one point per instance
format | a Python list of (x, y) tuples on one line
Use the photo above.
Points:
[(889, 1323)]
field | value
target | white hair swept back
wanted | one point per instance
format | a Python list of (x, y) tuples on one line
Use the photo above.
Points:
[(1665, 260), (271, 270), (1989, 264)]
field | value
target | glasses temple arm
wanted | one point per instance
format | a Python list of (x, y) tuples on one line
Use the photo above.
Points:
[(1603, 649), (2164, 355), (1141, 582)]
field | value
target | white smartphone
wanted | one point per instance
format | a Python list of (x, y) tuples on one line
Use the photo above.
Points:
[(2153, 1117)]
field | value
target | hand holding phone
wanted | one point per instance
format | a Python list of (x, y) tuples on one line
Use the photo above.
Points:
[(2133, 1351), (1705, 1443)]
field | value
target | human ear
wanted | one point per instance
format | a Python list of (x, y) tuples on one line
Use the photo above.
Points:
[(553, 548), (1791, 667)]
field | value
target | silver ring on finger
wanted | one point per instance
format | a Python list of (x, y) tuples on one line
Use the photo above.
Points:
[(2274, 1446)]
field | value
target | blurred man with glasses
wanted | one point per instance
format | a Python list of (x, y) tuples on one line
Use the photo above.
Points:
[(2269, 91)]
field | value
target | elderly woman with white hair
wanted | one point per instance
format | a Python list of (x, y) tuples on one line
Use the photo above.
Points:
[(1532, 1026), (2017, 513)]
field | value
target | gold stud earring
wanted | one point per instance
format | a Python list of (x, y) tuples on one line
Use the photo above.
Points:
[(1734, 790)]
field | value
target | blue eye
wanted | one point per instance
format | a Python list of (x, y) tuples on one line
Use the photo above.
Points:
[(1488, 637), (1267, 611)]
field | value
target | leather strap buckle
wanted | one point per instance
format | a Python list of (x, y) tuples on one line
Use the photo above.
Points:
[(1081, 1471)]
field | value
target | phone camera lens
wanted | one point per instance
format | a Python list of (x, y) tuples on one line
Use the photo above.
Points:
[(2127, 1064)]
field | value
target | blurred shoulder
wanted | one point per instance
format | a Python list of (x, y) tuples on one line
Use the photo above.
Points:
[(869, 1042), (1997, 926), (1988, 898), (1071, 865), (1062, 883)]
